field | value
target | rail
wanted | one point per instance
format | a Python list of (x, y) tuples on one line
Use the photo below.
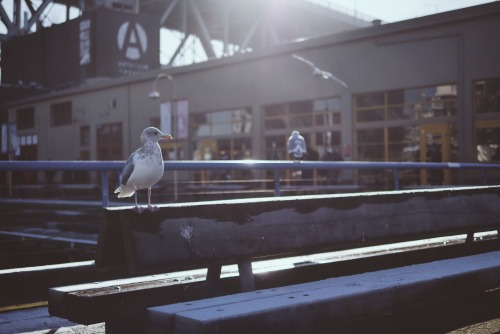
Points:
[(104, 167)]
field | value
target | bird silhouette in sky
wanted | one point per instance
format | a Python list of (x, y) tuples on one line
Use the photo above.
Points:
[(317, 72)]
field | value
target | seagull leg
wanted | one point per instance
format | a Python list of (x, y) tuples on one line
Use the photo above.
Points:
[(137, 208), (151, 208)]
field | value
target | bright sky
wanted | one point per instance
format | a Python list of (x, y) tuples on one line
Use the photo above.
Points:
[(398, 10)]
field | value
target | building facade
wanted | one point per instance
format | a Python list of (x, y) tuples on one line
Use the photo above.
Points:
[(426, 89)]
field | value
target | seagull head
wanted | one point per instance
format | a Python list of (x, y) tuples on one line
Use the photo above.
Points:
[(153, 134)]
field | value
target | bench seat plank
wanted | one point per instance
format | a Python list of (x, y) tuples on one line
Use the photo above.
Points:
[(301, 307)]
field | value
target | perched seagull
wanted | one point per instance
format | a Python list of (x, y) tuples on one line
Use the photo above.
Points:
[(296, 146), (317, 72), (144, 167)]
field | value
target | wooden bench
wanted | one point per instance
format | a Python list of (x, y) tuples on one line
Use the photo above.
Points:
[(210, 234), (312, 307)]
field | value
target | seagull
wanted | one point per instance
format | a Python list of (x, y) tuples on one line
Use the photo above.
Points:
[(296, 146), (144, 168), (317, 72)]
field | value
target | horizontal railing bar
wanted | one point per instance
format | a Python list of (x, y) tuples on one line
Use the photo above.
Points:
[(236, 164)]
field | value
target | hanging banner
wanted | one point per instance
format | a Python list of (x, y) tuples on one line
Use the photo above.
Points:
[(5, 134), (14, 139), (182, 119), (166, 117)]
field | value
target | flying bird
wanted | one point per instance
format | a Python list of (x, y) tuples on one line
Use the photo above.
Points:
[(144, 168), (317, 72), (296, 146)]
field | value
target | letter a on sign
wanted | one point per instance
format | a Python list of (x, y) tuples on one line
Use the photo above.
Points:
[(133, 40)]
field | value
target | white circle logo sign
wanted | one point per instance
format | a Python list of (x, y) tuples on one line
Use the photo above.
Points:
[(133, 40)]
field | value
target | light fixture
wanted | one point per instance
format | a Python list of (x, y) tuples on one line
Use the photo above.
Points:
[(154, 94)]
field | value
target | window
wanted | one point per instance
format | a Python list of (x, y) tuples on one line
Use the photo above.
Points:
[(110, 142), (404, 125), (25, 118), (222, 123), (327, 112), (318, 121), (406, 104), (487, 96), (488, 141), (222, 135), (487, 125), (60, 114)]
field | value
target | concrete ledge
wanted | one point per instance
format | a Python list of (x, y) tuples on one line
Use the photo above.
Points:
[(303, 307)]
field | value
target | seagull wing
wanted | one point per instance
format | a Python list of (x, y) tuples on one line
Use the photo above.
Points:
[(301, 145), (291, 144), (308, 62), (128, 169), (328, 75)]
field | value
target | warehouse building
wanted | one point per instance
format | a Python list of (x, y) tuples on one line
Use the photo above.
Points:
[(425, 89)]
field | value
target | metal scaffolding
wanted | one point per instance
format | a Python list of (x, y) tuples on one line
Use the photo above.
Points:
[(233, 26)]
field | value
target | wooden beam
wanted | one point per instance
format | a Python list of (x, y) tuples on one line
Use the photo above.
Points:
[(197, 234)]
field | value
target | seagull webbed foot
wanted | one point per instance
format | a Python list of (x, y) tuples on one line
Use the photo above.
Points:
[(138, 209), (153, 208)]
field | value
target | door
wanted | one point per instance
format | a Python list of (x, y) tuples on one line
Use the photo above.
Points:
[(435, 147)]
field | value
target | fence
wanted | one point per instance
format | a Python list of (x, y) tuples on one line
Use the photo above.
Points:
[(276, 167)]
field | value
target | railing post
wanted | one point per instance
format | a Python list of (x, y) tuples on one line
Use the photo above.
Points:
[(485, 176), (277, 191), (395, 173), (104, 189)]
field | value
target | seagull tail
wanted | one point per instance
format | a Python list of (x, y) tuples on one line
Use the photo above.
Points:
[(124, 191)]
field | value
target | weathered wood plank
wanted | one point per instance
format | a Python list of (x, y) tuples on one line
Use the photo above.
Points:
[(196, 234), (304, 307), (103, 301)]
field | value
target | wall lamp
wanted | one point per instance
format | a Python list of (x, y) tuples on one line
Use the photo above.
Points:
[(154, 94)]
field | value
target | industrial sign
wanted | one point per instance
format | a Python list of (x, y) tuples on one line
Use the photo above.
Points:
[(132, 40), (101, 43)]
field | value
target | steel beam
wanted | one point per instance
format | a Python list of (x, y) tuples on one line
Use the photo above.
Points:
[(205, 38)]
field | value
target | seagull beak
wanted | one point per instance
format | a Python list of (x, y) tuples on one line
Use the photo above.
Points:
[(168, 137)]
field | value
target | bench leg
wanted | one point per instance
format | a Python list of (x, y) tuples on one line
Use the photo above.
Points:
[(213, 278), (247, 280), (470, 238)]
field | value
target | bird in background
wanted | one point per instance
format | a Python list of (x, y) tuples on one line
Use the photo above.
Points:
[(317, 72), (144, 168), (297, 146)]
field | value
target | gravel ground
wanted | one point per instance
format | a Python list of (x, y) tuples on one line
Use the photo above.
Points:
[(488, 327)]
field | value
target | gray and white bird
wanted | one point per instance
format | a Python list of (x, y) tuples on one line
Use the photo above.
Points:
[(317, 72), (144, 167), (297, 146)]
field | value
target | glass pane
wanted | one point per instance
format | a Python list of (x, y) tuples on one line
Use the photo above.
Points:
[(370, 135), (275, 110), (370, 144), (302, 121), (370, 100), (275, 123), (487, 96), (488, 142), (372, 115), (275, 147), (333, 104), (397, 113), (404, 143)]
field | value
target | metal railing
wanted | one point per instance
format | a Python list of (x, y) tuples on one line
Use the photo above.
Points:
[(105, 167)]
